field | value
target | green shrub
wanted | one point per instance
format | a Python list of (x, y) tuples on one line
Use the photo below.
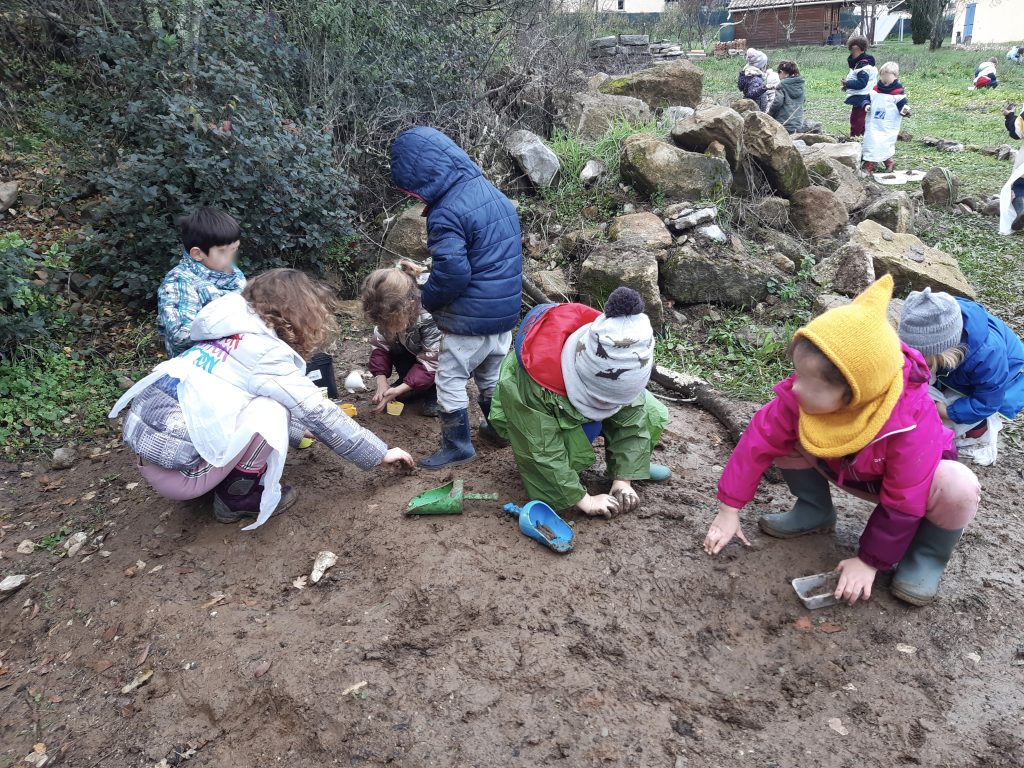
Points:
[(26, 303), (207, 126)]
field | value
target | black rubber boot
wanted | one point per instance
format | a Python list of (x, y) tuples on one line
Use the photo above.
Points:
[(1018, 208), (813, 511), (456, 445), (918, 574), (485, 430), (429, 406), (238, 495)]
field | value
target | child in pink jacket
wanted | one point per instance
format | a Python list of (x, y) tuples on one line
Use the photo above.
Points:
[(856, 413)]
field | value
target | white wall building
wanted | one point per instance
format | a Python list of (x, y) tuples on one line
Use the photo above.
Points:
[(989, 21)]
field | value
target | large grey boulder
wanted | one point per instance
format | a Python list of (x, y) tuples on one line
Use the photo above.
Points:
[(894, 211), (697, 132), (407, 235), (848, 153), (695, 275), (772, 149), (533, 157), (675, 83), (640, 230), (850, 271), (816, 213), (913, 265), (940, 187), (590, 115), (656, 167), (610, 265), (848, 186)]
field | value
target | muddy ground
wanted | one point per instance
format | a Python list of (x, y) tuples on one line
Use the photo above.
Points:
[(475, 646)]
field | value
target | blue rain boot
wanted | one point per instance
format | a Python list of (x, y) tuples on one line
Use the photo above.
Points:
[(917, 576), (813, 511), (485, 430), (429, 406), (456, 445), (659, 473)]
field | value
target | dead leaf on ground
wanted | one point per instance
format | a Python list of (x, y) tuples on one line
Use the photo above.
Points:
[(299, 582), (101, 666), (215, 599), (803, 623), (144, 655), (261, 669), (828, 627), (185, 570), (113, 631), (837, 725)]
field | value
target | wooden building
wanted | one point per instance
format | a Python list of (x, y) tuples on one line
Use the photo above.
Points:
[(782, 23)]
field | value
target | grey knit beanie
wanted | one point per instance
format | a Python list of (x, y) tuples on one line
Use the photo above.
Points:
[(930, 322)]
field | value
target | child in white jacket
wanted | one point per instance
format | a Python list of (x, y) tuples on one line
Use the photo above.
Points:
[(217, 417)]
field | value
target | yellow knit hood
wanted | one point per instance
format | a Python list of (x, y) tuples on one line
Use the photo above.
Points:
[(861, 343)]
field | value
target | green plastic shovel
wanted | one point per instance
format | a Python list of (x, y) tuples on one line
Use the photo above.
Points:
[(446, 500)]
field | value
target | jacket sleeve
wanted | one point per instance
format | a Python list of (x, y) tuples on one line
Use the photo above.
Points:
[(380, 355), (777, 104), (992, 376), (756, 87), (177, 306), (450, 270), (275, 376), (902, 104), (628, 443), (909, 469), (857, 79), (772, 434), (741, 82)]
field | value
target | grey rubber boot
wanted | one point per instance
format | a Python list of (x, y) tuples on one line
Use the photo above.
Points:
[(813, 511), (917, 576)]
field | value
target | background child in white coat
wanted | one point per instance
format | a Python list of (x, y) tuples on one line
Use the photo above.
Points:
[(885, 113)]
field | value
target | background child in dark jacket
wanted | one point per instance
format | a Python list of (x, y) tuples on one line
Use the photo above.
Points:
[(859, 82), (476, 278), (405, 340), (974, 355), (788, 105), (753, 78)]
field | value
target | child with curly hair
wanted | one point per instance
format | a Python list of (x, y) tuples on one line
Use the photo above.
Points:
[(220, 416)]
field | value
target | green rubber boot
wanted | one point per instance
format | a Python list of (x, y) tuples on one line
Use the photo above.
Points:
[(917, 576), (813, 511)]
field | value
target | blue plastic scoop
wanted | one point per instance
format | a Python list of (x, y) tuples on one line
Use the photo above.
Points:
[(541, 523)]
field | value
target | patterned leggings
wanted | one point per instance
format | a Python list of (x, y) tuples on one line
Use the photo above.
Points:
[(182, 485)]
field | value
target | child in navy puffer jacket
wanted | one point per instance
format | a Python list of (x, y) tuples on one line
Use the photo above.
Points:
[(475, 287), (859, 83)]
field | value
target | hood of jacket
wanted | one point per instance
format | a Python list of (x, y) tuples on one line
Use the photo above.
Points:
[(793, 87), (975, 324), (427, 164), (229, 315), (863, 60)]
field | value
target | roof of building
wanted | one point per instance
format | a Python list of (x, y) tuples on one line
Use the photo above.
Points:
[(757, 5)]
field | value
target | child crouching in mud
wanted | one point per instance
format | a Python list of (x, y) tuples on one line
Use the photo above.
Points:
[(856, 412), (220, 416)]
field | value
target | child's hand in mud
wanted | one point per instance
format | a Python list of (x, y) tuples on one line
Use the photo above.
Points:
[(399, 459), (602, 505), (855, 580), (725, 525), (382, 387), (624, 494)]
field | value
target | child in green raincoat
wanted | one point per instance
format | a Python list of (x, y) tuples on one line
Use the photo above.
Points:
[(575, 374)]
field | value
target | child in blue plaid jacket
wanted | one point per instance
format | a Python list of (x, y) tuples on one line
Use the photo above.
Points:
[(206, 271)]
